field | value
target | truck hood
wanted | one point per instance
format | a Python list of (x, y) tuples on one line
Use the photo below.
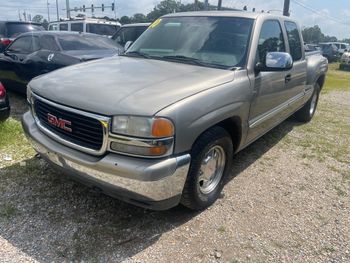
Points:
[(125, 85)]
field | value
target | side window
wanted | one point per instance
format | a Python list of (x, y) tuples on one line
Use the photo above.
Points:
[(125, 34), (35, 44), (53, 27), (49, 43), (77, 27), (64, 27), (293, 40), (343, 46), (21, 45), (270, 39)]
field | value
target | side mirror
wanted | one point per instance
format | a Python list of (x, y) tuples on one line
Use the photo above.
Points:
[(275, 61), (127, 45)]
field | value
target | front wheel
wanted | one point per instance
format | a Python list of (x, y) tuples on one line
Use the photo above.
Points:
[(210, 166), (306, 113)]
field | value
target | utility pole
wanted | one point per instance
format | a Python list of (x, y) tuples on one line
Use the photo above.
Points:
[(68, 9), (219, 4), (206, 4), (58, 15), (48, 10), (286, 8)]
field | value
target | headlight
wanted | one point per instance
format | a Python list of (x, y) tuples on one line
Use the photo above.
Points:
[(142, 127), (142, 136)]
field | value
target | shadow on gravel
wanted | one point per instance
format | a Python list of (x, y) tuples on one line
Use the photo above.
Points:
[(51, 218), (18, 103)]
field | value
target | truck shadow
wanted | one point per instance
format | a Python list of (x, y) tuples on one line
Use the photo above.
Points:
[(51, 218)]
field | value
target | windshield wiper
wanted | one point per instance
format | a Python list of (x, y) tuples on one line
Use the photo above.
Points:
[(136, 54), (196, 61)]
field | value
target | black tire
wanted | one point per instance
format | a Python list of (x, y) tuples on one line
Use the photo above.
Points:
[(306, 113), (192, 195)]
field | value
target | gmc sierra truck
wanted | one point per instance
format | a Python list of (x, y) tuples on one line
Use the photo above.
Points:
[(159, 125)]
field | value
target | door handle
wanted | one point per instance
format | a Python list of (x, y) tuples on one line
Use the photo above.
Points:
[(288, 78)]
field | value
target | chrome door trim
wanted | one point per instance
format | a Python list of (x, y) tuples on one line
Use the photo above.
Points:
[(275, 111)]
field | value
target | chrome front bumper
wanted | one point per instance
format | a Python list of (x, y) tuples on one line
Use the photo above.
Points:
[(152, 183)]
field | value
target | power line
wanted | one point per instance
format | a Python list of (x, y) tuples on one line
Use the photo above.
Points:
[(319, 13)]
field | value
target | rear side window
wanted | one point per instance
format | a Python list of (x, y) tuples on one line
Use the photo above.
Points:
[(84, 42), (24, 45), (125, 34), (63, 27), (293, 40), (270, 39), (14, 29), (101, 29), (49, 43), (77, 27), (53, 27)]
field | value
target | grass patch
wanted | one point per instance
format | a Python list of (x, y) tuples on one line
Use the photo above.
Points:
[(221, 229), (336, 79), (7, 211), (13, 141)]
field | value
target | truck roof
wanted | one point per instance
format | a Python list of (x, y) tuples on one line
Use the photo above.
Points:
[(244, 14)]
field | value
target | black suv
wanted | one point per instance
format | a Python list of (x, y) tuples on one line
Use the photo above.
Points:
[(10, 30)]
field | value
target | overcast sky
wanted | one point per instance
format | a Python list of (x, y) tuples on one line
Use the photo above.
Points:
[(333, 16)]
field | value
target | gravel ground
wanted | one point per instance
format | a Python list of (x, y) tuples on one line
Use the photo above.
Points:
[(288, 201)]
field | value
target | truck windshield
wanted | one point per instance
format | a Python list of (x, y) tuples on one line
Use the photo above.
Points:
[(208, 41)]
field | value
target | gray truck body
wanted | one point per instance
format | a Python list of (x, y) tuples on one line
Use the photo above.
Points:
[(194, 98)]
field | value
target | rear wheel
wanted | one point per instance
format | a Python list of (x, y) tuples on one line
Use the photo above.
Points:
[(210, 166), (306, 113)]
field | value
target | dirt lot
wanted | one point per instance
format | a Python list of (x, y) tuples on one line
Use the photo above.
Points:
[(288, 201)]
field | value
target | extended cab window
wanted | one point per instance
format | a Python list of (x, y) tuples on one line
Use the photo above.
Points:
[(270, 39), (294, 40)]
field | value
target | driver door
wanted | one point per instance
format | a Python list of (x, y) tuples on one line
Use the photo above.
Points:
[(270, 92)]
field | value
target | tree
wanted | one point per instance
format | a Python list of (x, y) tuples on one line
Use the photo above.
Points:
[(163, 8), (37, 18), (45, 24), (313, 34), (125, 20), (139, 18)]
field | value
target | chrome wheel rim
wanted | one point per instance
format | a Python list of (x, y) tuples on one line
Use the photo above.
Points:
[(313, 104), (212, 169)]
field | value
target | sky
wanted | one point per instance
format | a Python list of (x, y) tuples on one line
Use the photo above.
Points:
[(333, 16)]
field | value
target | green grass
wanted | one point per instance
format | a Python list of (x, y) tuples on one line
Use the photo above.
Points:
[(7, 211), (13, 141), (337, 80)]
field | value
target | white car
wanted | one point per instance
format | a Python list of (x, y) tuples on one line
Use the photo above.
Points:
[(345, 60)]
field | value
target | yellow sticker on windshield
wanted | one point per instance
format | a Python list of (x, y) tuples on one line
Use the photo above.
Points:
[(155, 23)]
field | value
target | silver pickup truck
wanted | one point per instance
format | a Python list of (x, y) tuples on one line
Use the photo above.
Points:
[(159, 125)]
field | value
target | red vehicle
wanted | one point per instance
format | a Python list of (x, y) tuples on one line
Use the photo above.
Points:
[(4, 104), (9, 30)]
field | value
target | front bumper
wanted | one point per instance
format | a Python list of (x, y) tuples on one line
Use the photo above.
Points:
[(152, 183)]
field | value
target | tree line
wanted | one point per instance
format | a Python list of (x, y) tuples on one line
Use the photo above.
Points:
[(310, 34)]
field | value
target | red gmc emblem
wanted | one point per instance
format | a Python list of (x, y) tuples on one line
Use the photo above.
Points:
[(59, 123)]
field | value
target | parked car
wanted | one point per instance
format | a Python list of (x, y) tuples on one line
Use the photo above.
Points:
[(330, 51), (129, 32), (342, 47), (345, 60), (312, 47), (159, 125), (88, 25), (36, 53), (9, 30), (4, 103)]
